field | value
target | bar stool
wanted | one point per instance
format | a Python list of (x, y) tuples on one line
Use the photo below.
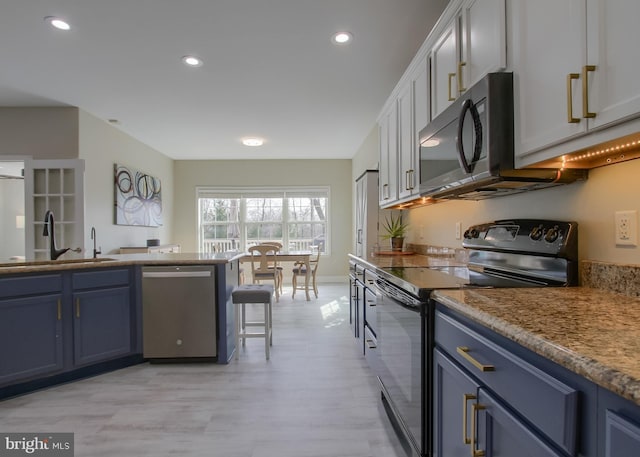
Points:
[(253, 293)]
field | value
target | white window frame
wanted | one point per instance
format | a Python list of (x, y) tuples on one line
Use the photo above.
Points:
[(261, 192)]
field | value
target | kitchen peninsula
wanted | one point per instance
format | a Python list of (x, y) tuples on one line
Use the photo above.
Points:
[(65, 319)]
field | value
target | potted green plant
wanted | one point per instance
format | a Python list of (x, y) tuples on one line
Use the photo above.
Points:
[(395, 231)]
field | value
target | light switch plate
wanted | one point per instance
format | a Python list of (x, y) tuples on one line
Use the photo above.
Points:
[(626, 228)]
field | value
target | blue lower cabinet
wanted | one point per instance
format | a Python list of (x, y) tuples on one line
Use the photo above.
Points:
[(31, 343), (618, 426), (455, 393), (469, 420), (58, 327), (101, 325), (500, 432)]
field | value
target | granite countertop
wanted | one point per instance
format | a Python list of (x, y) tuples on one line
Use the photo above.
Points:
[(185, 258), (408, 261), (591, 332)]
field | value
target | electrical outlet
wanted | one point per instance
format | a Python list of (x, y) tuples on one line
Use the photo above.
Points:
[(627, 228), (458, 230)]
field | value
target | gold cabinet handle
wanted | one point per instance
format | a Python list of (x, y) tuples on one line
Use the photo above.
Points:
[(465, 399), (408, 176), (78, 308), (385, 191), (461, 88), (59, 309), (585, 91), (464, 352), (451, 76), (474, 412), (570, 118), (412, 174)]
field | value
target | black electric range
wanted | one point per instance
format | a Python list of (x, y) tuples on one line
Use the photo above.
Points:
[(505, 253)]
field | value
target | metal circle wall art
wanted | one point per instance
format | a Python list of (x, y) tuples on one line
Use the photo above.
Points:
[(138, 198)]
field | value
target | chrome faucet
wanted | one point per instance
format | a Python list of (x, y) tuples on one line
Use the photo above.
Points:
[(49, 231), (93, 237)]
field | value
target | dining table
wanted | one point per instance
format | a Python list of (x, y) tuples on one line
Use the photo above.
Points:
[(292, 256)]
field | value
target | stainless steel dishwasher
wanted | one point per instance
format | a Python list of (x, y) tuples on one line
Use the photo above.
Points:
[(179, 312)]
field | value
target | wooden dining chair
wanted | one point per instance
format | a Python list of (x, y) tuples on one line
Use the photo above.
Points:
[(300, 269), (276, 265), (263, 260)]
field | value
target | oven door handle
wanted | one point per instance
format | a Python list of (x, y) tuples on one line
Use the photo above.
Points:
[(414, 306)]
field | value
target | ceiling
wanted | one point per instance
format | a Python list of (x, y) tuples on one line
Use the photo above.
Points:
[(270, 69)]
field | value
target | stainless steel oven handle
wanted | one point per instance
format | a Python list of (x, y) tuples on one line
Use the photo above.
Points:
[(396, 294)]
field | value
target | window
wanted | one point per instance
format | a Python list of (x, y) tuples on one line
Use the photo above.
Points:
[(234, 219)]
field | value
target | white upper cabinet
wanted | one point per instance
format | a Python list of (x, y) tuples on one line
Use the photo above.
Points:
[(444, 69), (545, 58), (471, 45), (388, 166), (420, 91), (410, 110), (406, 158), (614, 85), (573, 74), (483, 40)]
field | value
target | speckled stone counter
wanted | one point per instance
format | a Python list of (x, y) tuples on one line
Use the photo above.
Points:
[(403, 260), (592, 332), (620, 278), (197, 258)]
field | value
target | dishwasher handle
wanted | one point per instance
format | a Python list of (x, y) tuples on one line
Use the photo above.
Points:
[(176, 274)]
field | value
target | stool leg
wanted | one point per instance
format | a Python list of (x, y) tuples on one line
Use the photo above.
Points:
[(237, 330), (242, 323), (266, 330), (270, 322)]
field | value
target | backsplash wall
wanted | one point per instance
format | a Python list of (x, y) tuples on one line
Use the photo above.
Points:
[(591, 203)]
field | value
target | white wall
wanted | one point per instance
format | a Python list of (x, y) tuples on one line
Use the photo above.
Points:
[(41, 133), (591, 203), (333, 173), (102, 145)]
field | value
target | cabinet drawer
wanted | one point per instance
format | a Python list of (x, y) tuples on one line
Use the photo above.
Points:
[(30, 285), (103, 278), (547, 403)]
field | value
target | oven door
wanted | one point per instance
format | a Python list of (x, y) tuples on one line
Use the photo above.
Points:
[(400, 330)]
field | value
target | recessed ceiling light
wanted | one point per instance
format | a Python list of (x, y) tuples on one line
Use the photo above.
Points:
[(57, 23), (192, 61), (342, 38), (252, 141)]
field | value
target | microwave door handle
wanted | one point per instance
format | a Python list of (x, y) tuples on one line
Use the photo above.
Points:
[(477, 126)]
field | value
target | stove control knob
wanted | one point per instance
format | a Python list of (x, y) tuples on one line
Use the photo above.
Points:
[(471, 233), (552, 234), (536, 232)]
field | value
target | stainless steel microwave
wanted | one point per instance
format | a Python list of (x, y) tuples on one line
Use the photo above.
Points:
[(467, 151)]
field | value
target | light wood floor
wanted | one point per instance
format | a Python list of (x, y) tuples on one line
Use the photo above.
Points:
[(315, 397)]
